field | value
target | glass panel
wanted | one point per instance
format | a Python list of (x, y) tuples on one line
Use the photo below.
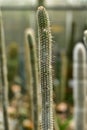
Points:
[(15, 24), (17, 2), (64, 2)]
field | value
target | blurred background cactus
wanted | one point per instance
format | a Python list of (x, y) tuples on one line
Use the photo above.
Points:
[(80, 86), (69, 62), (85, 38), (3, 75), (34, 75), (40, 3), (13, 61), (64, 70), (28, 73)]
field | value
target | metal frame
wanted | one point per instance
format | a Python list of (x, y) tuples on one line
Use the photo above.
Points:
[(54, 8)]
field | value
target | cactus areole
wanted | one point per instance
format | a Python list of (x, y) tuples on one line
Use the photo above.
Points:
[(45, 69)]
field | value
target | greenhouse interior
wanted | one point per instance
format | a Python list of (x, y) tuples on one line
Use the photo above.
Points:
[(43, 65)]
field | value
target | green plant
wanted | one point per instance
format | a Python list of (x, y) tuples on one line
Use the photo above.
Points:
[(12, 63), (64, 125), (45, 68)]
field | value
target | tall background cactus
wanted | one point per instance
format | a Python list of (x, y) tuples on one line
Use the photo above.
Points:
[(64, 70), (3, 69), (34, 73), (28, 72), (45, 68), (80, 86), (40, 2)]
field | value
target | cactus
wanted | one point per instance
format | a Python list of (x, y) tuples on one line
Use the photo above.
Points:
[(85, 38), (45, 68), (79, 75), (71, 43), (3, 69), (63, 76), (13, 61), (28, 72), (69, 54), (34, 73), (40, 2)]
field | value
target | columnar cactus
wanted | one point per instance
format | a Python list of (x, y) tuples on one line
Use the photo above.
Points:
[(71, 42), (45, 68), (80, 86), (34, 74), (69, 53), (64, 70), (3, 69), (28, 72)]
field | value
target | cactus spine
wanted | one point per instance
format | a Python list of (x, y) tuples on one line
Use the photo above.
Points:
[(33, 60), (45, 68), (79, 75), (3, 70)]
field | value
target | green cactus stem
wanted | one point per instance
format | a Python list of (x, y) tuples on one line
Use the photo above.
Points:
[(3, 69), (63, 76), (80, 86), (34, 70), (28, 72), (71, 42), (45, 68)]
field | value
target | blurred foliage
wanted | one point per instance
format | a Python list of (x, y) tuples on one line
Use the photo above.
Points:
[(65, 124), (12, 62), (13, 50)]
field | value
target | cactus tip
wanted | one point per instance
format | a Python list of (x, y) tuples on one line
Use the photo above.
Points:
[(40, 8), (85, 33)]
